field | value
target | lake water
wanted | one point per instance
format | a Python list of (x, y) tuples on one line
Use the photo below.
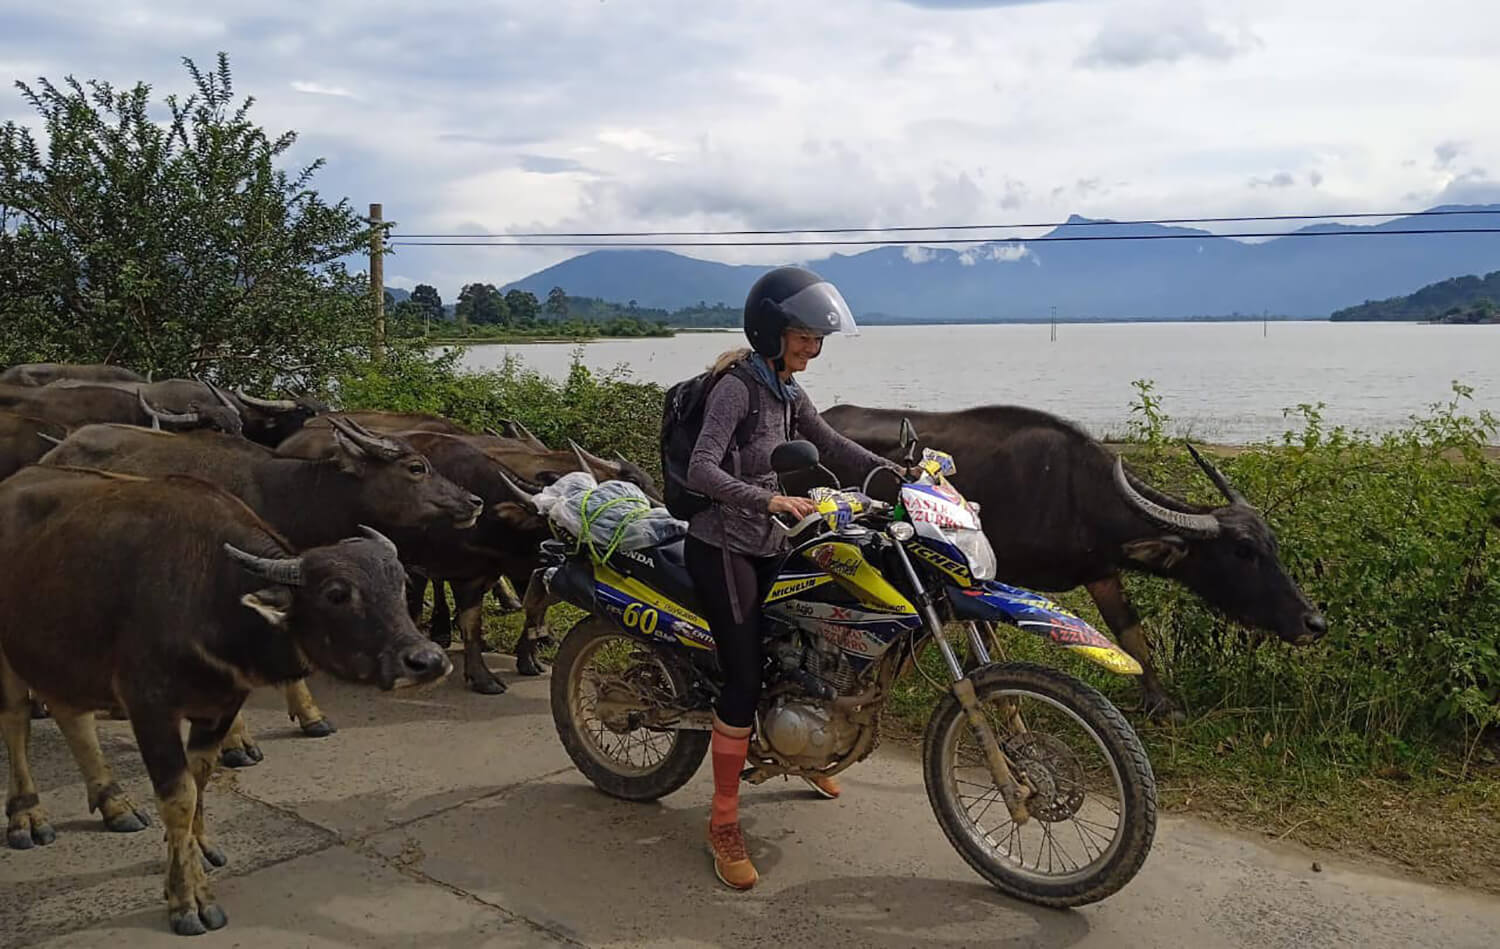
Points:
[(1219, 381)]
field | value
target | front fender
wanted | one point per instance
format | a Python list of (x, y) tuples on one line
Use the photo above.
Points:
[(996, 602)]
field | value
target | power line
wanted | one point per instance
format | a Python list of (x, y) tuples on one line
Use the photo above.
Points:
[(889, 242), (951, 227)]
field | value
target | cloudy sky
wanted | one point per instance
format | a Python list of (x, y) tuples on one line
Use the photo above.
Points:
[(685, 114)]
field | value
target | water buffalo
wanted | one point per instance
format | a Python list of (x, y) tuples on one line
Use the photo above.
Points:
[(366, 479), (73, 404), (537, 468), (41, 373), (22, 440), (1061, 511), (272, 421), (208, 603), (504, 544), (173, 400)]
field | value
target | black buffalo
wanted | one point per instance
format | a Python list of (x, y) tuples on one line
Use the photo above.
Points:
[(1062, 511)]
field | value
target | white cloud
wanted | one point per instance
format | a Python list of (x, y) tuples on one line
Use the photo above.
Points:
[(917, 254), (318, 89), (581, 115), (1009, 253)]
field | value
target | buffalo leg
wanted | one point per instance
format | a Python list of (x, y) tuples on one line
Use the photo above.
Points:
[(204, 739), (469, 596), (239, 750), (118, 811), (191, 908), (1114, 606), (505, 595), (301, 708), (535, 628), (441, 627), (27, 821)]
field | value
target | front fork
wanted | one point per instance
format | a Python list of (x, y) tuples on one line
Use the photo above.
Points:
[(1013, 792)]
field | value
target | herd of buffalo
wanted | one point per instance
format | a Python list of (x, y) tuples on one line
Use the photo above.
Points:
[(168, 546)]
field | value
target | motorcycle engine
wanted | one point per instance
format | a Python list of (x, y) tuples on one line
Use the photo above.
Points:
[(799, 725)]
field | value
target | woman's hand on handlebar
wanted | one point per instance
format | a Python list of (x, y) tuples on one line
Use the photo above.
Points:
[(796, 507)]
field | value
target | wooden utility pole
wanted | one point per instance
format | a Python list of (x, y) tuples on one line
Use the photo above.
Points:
[(377, 278), (1054, 324)]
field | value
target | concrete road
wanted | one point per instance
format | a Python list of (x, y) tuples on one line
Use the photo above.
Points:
[(449, 820)]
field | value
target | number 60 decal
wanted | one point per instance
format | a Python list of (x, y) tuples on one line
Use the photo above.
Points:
[(641, 617)]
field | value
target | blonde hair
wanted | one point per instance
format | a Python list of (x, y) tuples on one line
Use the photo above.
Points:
[(729, 358)]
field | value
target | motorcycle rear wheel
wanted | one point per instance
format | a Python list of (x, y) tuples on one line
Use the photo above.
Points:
[(603, 754), (1065, 788)]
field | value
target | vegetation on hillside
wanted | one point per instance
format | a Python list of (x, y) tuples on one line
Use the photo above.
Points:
[(1467, 299)]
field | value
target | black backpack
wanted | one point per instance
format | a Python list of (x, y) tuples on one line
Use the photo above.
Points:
[(682, 420)]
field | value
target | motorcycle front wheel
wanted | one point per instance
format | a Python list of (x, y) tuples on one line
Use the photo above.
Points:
[(621, 756), (1092, 813)]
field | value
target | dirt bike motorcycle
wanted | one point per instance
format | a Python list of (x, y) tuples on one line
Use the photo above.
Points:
[(1034, 776)]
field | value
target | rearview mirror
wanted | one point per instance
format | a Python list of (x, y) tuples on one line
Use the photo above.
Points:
[(792, 457)]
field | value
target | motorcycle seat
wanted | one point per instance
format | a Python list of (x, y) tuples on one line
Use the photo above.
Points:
[(663, 568)]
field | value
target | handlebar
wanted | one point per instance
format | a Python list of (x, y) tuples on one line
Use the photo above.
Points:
[(777, 520)]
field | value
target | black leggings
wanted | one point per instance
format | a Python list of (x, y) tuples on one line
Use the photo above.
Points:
[(737, 642)]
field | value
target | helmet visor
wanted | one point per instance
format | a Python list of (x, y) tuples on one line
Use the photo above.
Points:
[(819, 309)]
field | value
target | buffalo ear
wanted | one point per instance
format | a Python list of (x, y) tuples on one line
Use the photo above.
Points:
[(1162, 553), (351, 457), (272, 603)]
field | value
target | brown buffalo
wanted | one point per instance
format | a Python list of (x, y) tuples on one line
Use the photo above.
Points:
[(24, 439), (365, 479), (75, 404), (206, 603)]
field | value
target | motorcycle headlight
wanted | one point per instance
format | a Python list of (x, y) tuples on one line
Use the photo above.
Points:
[(976, 547)]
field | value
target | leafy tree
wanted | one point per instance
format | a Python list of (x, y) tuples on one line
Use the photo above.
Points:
[(557, 303), (481, 304), (426, 296), (524, 307), (173, 243)]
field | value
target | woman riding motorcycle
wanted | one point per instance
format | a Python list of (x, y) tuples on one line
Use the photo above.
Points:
[(731, 546)]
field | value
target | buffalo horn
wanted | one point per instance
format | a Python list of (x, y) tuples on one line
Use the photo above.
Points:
[(528, 499), (582, 456), (157, 415), (385, 541), (1196, 525), (364, 438), (223, 397), (524, 433), (277, 405), (1217, 476), (286, 570)]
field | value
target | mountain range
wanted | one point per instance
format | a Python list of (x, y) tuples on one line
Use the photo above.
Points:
[(1175, 273)]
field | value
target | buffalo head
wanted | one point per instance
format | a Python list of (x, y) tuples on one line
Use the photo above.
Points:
[(220, 416), (272, 421), (345, 606), (1227, 555), (398, 485)]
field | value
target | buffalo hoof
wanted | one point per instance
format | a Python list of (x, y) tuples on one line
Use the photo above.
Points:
[(529, 666), (321, 728), (197, 922), (212, 856), (38, 708), (487, 685), (129, 822), (239, 758), (30, 834)]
